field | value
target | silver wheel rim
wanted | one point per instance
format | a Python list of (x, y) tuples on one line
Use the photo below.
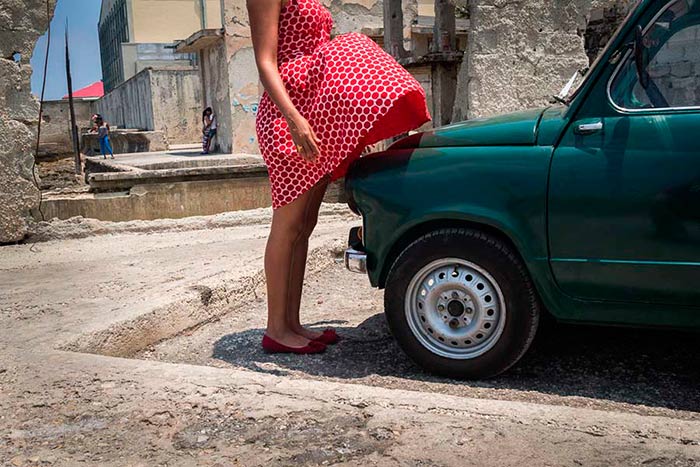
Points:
[(455, 309)]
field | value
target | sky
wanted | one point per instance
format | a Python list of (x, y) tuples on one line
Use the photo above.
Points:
[(84, 49)]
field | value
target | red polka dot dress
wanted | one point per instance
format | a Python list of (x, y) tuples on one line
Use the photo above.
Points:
[(352, 93)]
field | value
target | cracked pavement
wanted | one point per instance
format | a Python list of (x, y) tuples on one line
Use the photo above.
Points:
[(180, 305)]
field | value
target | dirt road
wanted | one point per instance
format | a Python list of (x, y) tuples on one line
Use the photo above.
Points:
[(184, 301)]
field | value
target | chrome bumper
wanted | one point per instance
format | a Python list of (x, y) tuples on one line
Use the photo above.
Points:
[(356, 261)]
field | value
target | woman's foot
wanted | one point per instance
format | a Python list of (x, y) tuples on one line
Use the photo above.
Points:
[(328, 337), (307, 333), (272, 346)]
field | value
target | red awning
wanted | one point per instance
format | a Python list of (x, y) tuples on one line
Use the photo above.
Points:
[(94, 90)]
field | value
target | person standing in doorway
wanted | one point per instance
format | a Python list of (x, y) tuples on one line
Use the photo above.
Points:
[(208, 129)]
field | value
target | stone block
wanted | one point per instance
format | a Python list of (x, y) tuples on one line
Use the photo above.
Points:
[(520, 53), (21, 24), (125, 142), (18, 194)]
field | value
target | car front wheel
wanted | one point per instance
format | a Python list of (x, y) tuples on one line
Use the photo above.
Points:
[(461, 304)]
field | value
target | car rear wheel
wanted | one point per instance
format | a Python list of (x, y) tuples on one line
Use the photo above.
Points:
[(461, 304)]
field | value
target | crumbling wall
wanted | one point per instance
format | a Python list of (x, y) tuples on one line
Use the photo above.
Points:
[(521, 52), (130, 104), (177, 104), (21, 24), (56, 139), (157, 100), (602, 24), (244, 88)]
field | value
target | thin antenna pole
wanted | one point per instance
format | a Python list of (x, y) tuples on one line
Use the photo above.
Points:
[(73, 124)]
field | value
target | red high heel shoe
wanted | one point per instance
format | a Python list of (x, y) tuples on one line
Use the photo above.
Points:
[(272, 346), (328, 337)]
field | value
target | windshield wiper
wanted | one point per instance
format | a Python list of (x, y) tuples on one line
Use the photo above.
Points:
[(563, 96), (558, 99)]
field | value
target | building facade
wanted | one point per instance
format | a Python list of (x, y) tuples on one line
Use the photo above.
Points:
[(138, 34)]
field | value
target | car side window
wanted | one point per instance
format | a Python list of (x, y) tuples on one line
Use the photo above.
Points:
[(670, 66)]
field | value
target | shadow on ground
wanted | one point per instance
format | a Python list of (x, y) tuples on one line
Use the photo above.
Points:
[(645, 367)]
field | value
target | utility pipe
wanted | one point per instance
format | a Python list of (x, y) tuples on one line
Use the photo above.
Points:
[(203, 13)]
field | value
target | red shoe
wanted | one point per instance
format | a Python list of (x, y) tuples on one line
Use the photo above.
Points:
[(328, 337), (272, 346)]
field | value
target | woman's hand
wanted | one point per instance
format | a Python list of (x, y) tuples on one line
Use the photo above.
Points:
[(304, 138)]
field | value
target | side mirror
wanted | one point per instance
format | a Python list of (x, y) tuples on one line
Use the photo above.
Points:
[(640, 57)]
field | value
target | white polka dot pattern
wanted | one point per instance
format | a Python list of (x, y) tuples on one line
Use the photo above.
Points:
[(352, 93)]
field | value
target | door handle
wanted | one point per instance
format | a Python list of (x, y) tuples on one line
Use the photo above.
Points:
[(588, 128)]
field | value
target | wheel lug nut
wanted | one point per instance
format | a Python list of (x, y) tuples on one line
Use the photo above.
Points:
[(454, 323), (441, 307), (455, 295), (469, 310)]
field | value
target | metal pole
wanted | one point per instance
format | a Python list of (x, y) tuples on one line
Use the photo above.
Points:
[(203, 12), (73, 124)]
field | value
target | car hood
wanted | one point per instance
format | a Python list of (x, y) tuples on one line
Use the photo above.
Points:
[(513, 129)]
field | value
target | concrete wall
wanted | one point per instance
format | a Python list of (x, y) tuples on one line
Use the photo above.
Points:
[(21, 24), (125, 142), (55, 126), (520, 53), (244, 88), (136, 57), (177, 104), (171, 20), (129, 105), (602, 24), (157, 100)]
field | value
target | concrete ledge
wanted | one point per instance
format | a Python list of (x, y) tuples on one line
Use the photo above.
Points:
[(170, 185), (111, 181), (126, 141), (94, 165), (200, 40), (146, 201)]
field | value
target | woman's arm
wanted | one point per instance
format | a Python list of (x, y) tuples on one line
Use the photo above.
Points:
[(264, 24)]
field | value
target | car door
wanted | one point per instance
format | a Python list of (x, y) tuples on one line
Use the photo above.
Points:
[(624, 195)]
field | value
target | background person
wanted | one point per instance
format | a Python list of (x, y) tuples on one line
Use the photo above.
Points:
[(208, 129), (101, 127)]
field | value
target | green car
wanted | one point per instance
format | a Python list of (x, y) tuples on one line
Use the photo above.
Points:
[(588, 210)]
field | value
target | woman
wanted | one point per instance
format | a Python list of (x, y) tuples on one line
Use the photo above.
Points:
[(102, 130), (208, 129), (324, 101)]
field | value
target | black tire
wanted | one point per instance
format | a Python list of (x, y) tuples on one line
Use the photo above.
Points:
[(505, 267)]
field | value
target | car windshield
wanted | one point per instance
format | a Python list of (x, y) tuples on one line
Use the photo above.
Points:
[(572, 87)]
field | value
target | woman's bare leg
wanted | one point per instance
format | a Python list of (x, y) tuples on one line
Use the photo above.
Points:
[(299, 258), (287, 231)]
